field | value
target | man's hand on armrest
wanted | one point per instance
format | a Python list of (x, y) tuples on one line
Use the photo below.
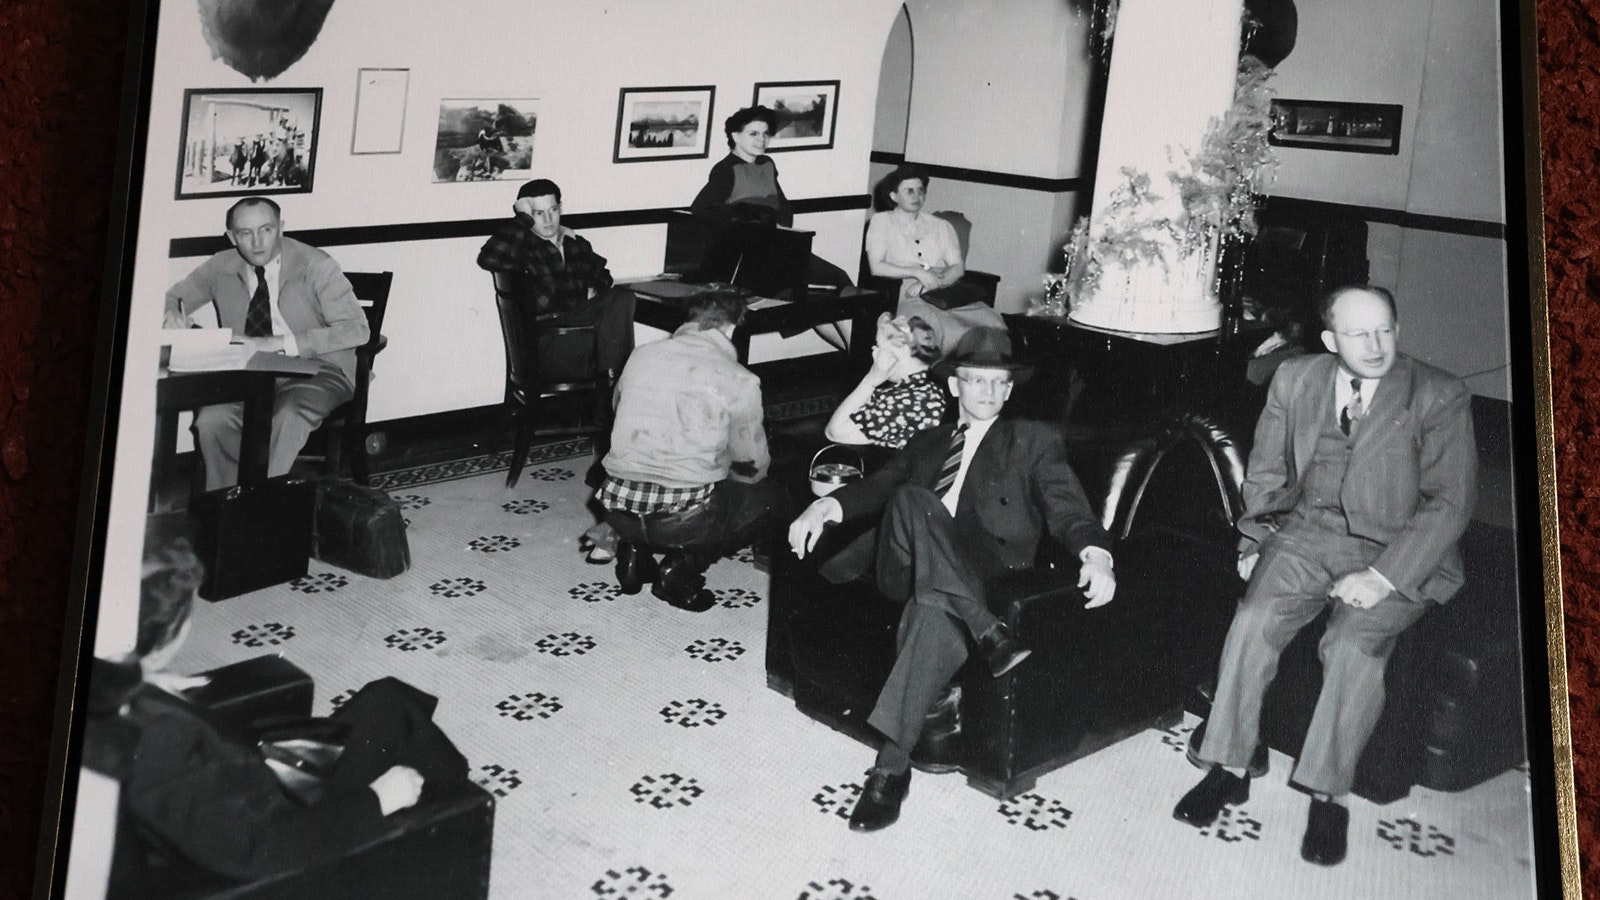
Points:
[(1096, 577), (807, 527)]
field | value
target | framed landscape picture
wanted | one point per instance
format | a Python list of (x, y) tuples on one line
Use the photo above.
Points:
[(806, 112), (1349, 127), (663, 123), (239, 141)]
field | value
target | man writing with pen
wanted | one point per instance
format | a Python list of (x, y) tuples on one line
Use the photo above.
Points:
[(278, 295)]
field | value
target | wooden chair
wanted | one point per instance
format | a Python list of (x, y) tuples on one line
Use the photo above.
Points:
[(545, 361), (987, 282), (345, 429)]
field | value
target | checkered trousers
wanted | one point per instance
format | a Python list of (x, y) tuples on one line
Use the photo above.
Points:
[(645, 497)]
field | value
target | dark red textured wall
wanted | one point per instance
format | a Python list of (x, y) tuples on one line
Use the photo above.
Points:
[(59, 92)]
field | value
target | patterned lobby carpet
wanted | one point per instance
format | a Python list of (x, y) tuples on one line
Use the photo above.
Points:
[(636, 751)]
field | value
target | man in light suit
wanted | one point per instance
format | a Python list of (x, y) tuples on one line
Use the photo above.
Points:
[(961, 503), (1362, 479), (279, 296)]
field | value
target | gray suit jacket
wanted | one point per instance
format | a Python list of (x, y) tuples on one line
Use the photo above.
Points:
[(315, 299), (1413, 477)]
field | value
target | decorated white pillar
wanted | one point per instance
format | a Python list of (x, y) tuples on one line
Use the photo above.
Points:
[(1146, 266)]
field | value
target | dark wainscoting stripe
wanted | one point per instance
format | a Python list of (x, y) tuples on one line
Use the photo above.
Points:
[(436, 231), (981, 176), (1420, 221)]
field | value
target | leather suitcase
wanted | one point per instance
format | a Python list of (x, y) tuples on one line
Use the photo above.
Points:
[(360, 528), (253, 538)]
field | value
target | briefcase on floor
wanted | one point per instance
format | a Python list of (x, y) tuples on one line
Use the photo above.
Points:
[(360, 528), (252, 538)]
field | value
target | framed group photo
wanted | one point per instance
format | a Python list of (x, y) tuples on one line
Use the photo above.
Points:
[(602, 733), (240, 141)]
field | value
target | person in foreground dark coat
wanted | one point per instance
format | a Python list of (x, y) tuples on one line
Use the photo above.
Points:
[(1362, 479), (961, 503), (200, 791)]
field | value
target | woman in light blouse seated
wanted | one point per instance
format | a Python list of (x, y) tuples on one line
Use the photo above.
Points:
[(898, 397), (922, 250)]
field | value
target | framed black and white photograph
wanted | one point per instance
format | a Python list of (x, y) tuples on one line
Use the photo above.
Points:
[(380, 119), (663, 123), (1347, 127), (485, 140), (806, 113), (612, 530), (239, 141)]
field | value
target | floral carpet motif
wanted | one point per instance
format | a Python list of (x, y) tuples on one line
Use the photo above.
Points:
[(635, 751)]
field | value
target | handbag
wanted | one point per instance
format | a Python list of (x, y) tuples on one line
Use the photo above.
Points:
[(301, 752), (961, 293)]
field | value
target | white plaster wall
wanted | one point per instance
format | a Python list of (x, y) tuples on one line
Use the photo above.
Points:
[(445, 350)]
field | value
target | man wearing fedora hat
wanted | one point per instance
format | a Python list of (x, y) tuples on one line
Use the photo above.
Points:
[(961, 503)]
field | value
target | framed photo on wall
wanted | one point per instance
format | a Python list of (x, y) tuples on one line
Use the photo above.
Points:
[(663, 123), (243, 141), (806, 110), (1346, 127), (484, 140)]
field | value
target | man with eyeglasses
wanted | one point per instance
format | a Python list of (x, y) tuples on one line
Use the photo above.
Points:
[(279, 296), (562, 272), (961, 503), (1361, 482)]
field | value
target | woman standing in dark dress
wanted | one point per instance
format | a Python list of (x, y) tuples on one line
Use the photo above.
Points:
[(743, 187)]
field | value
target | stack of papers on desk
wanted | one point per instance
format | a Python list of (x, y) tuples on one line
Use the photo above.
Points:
[(204, 350), (208, 350)]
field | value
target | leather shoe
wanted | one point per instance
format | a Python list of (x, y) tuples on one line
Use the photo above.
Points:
[(1204, 802), (938, 748), (1000, 650), (634, 567), (682, 583), (1327, 824), (1258, 760), (881, 796)]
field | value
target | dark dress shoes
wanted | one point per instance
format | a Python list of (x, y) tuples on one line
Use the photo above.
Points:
[(881, 796), (1204, 802), (1327, 824), (634, 568), (1000, 650), (1258, 760), (682, 583), (938, 748)]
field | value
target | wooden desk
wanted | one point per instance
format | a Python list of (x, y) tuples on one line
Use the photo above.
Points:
[(254, 387), (861, 307)]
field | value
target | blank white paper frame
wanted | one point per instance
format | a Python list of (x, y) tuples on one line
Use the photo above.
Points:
[(380, 122)]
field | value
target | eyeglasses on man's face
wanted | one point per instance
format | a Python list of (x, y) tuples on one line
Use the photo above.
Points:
[(991, 384)]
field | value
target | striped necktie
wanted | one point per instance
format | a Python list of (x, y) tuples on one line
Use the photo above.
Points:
[(258, 315), (1353, 410), (952, 461)]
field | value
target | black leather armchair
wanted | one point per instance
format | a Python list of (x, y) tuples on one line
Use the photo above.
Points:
[(1167, 494), (439, 848)]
